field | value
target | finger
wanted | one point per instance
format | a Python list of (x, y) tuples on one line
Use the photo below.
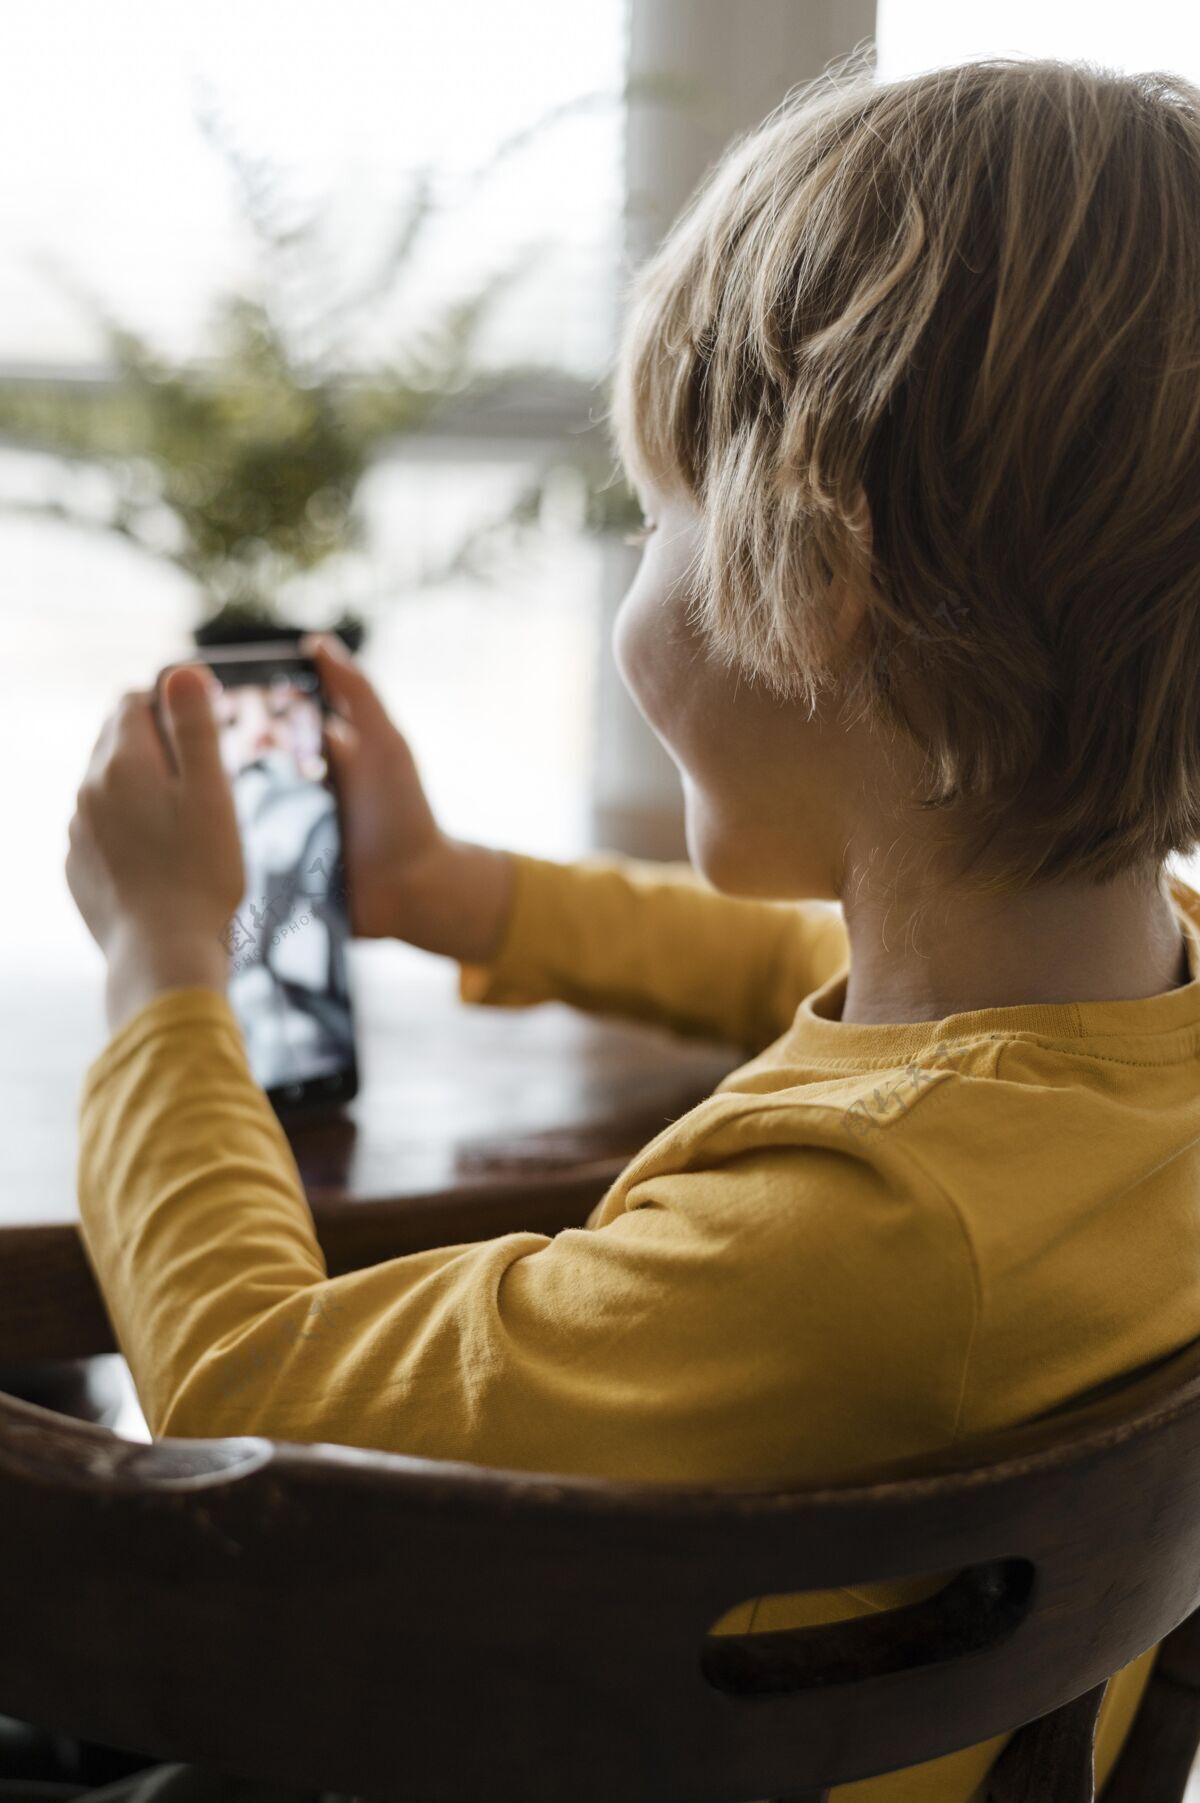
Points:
[(101, 748), (135, 729), (341, 743), (345, 682), (159, 704), (115, 724), (210, 676), (192, 726)]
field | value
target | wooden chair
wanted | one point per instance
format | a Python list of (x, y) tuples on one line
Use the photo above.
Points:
[(408, 1630)]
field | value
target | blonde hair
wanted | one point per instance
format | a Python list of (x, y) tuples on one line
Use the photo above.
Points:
[(972, 296)]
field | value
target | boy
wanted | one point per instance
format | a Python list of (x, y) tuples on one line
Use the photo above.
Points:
[(911, 394)]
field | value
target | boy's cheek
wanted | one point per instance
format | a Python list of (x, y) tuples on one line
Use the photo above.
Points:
[(652, 646), (631, 646)]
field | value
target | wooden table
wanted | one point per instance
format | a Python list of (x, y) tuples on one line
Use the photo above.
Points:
[(471, 1121)]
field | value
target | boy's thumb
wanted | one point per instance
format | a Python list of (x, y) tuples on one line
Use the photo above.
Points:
[(191, 723)]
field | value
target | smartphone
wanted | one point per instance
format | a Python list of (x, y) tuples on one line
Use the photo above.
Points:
[(287, 940)]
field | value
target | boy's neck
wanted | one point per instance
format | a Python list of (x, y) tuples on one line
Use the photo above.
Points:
[(1118, 942)]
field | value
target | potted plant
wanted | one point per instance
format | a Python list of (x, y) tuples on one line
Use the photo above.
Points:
[(242, 468)]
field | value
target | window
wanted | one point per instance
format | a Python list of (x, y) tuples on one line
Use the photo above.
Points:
[(927, 34), (100, 113), (109, 171)]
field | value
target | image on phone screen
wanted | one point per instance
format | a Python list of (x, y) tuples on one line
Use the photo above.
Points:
[(287, 941)]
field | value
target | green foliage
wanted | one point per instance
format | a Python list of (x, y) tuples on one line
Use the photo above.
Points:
[(242, 468)]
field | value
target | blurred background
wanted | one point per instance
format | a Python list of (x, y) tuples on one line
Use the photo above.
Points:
[(307, 317)]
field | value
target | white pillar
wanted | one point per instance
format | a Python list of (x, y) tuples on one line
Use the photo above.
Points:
[(736, 61)]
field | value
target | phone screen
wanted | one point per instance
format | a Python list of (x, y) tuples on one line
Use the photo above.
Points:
[(287, 941)]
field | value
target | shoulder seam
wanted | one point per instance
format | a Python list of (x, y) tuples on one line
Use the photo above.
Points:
[(922, 1175), (925, 1176)]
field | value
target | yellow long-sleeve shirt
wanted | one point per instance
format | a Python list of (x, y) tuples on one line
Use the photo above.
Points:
[(868, 1242)]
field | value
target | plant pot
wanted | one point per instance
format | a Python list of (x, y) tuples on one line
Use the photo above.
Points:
[(217, 631)]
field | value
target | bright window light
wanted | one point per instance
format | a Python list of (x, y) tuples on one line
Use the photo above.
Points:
[(912, 35), (109, 172)]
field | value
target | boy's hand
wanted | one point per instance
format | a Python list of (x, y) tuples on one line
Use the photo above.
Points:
[(390, 831), (155, 862), (406, 878)]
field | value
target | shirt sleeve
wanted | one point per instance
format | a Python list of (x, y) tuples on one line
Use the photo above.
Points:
[(655, 942), (786, 1309)]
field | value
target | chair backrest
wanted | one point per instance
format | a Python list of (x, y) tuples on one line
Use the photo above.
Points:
[(399, 1627)]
